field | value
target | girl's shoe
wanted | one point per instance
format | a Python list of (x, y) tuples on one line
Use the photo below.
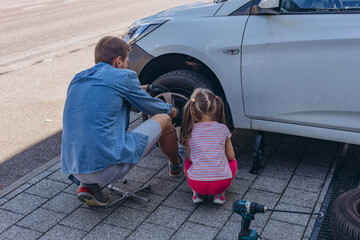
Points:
[(219, 199), (197, 198)]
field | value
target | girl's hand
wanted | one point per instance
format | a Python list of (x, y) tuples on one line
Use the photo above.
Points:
[(188, 153), (229, 150)]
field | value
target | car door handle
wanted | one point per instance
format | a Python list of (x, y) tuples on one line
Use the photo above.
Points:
[(232, 51)]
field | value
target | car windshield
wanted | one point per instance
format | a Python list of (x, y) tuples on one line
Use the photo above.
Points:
[(319, 5)]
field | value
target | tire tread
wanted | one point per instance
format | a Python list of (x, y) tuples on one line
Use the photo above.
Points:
[(343, 224)]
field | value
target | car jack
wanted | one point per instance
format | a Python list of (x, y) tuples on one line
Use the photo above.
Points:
[(258, 153)]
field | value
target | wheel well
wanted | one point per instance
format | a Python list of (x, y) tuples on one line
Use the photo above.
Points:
[(171, 62)]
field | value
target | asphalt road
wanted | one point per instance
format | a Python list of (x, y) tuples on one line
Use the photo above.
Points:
[(43, 45)]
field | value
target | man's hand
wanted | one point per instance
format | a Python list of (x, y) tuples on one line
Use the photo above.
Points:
[(156, 89), (176, 116), (180, 104), (174, 112)]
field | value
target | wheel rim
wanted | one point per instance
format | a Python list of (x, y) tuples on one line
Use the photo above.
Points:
[(356, 207), (170, 97)]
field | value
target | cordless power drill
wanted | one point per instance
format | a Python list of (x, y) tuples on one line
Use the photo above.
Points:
[(247, 210)]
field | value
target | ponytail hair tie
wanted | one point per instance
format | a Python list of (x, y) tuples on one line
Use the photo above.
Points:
[(216, 97), (193, 100)]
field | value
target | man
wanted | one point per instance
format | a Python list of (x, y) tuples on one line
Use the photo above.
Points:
[(96, 147)]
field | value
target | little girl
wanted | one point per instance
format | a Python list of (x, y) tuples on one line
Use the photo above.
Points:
[(210, 166)]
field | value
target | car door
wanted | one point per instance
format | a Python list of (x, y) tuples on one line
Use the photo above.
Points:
[(301, 66)]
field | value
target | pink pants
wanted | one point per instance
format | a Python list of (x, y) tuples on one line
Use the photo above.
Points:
[(211, 187)]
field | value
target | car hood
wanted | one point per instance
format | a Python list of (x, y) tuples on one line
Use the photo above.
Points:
[(198, 9)]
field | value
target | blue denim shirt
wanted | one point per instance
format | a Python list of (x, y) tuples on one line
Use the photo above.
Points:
[(96, 118)]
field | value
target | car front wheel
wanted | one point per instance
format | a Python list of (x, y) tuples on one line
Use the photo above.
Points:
[(345, 216), (184, 82)]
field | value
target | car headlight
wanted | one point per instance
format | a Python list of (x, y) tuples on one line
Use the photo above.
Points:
[(139, 30)]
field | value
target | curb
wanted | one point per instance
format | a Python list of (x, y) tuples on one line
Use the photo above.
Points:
[(29, 176)]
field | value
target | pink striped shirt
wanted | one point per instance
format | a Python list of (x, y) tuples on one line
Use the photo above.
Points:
[(207, 152)]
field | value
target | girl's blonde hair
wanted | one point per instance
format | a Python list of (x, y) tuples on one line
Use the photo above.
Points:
[(202, 102)]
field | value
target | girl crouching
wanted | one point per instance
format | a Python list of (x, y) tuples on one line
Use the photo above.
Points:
[(210, 166)]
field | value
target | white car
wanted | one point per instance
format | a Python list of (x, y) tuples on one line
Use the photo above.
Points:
[(285, 66)]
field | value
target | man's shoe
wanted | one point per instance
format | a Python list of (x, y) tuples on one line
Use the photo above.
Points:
[(197, 198), (92, 196), (219, 199), (176, 171)]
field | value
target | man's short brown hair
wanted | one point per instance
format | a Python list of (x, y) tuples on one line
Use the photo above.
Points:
[(109, 48)]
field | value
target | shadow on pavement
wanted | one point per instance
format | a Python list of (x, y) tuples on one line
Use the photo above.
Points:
[(28, 160)]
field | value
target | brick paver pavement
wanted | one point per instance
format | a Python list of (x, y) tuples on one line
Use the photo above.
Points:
[(296, 176)]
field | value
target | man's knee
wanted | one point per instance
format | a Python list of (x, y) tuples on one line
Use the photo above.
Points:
[(163, 120)]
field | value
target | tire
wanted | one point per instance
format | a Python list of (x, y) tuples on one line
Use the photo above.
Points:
[(345, 216), (184, 82)]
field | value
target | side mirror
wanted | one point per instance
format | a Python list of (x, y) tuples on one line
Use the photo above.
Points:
[(266, 4), (266, 7)]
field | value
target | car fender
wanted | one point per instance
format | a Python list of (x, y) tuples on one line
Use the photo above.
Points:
[(178, 37)]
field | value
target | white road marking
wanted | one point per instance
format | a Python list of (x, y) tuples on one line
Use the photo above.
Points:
[(37, 6), (48, 60), (66, 1)]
